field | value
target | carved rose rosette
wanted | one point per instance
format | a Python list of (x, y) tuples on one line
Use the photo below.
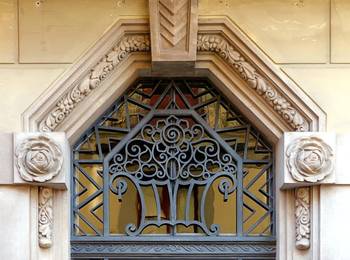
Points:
[(38, 158), (309, 159)]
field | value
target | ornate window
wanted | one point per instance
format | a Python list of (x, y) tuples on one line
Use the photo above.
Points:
[(172, 169)]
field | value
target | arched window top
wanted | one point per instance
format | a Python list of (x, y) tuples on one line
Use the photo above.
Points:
[(173, 160)]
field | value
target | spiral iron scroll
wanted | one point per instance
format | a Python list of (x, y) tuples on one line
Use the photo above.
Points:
[(172, 154)]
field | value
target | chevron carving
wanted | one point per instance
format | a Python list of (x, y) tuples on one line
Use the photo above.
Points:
[(173, 15), (174, 26)]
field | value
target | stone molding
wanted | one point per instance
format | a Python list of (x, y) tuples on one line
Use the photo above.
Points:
[(45, 217), (206, 43), (202, 249), (109, 61), (302, 218), (216, 43), (38, 158), (309, 159)]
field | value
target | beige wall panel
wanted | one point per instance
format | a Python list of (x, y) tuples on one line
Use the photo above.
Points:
[(289, 31), (329, 87), (340, 31), (58, 31), (335, 211), (8, 31), (19, 87), (15, 219)]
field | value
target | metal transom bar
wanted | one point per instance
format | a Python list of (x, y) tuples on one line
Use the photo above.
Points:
[(172, 169)]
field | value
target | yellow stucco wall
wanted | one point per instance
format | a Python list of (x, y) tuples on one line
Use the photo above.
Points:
[(308, 39)]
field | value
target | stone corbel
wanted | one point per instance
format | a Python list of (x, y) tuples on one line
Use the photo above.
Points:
[(308, 159), (42, 160)]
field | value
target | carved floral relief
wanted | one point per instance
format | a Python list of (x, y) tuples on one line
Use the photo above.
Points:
[(97, 74), (245, 69), (45, 217), (309, 159), (38, 159), (302, 218)]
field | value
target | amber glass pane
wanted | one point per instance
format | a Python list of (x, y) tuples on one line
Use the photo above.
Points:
[(257, 200), (89, 199)]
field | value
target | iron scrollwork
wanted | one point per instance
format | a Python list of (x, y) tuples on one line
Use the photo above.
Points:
[(164, 156), (172, 154)]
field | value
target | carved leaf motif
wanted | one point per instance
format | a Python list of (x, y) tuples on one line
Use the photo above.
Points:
[(128, 44), (302, 218), (45, 217), (216, 43)]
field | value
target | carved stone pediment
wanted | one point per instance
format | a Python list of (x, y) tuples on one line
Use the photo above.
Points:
[(221, 52), (102, 68)]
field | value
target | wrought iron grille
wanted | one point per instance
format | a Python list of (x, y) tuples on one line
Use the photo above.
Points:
[(172, 168)]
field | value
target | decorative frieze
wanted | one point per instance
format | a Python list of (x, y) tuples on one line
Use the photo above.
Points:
[(302, 218), (309, 159), (45, 217), (38, 158), (216, 43), (202, 249), (111, 60)]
